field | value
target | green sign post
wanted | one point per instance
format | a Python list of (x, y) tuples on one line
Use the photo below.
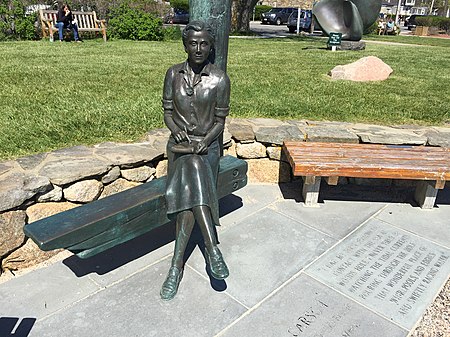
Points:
[(334, 40)]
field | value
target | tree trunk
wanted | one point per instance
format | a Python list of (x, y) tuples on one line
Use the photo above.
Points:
[(217, 13), (241, 12)]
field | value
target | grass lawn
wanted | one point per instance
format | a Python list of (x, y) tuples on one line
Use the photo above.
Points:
[(419, 40), (57, 95)]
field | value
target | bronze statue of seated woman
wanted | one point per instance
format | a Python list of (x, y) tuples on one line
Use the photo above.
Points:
[(195, 101)]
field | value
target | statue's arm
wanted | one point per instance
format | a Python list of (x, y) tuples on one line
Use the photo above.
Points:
[(167, 101), (221, 111)]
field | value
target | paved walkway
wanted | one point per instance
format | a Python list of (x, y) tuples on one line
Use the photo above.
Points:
[(367, 262)]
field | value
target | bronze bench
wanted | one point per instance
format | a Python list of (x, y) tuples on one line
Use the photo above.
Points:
[(102, 224), (86, 21), (313, 160)]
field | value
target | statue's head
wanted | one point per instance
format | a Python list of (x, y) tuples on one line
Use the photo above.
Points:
[(198, 41)]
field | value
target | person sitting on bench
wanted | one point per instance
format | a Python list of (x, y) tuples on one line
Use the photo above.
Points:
[(195, 102), (65, 21), (390, 27)]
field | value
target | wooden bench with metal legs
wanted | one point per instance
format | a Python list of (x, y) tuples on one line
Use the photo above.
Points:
[(313, 160), (102, 224)]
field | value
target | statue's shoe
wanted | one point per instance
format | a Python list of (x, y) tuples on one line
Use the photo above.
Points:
[(217, 266), (170, 286)]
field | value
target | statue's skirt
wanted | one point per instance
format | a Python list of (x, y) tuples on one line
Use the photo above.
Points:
[(192, 180)]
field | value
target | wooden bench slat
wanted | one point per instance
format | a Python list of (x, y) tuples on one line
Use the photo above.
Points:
[(406, 163), (369, 173), (382, 153), (318, 145), (348, 167), (104, 223), (400, 163), (90, 22)]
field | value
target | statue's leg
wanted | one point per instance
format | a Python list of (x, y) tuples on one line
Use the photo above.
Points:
[(184, 226), (218, 268)]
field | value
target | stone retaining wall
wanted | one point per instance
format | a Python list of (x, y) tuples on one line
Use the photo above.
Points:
[(41, 185)]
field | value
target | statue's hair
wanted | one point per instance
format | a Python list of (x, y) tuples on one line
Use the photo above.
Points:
[(198, 26)]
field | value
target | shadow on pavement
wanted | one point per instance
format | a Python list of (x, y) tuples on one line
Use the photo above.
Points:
[(120, 255), (383, 192), (126, 252), (8, 326)]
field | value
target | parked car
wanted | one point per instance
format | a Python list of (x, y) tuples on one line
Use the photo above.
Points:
[(410, 21), (277, 15), (178, 16), (305, 20)]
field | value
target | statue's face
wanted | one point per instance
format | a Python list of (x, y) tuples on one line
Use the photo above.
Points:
[(198, 46)]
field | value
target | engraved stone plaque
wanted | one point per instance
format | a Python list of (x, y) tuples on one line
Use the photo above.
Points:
[(389, 270)]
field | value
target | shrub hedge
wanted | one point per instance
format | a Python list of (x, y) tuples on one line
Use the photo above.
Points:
[(134, 24), (259, 9), (180, 4), (14, 24), (434, 21)]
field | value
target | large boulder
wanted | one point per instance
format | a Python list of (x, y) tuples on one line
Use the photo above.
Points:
[(368, 68)]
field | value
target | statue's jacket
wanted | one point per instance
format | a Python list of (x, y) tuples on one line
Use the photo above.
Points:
[(193, 104)]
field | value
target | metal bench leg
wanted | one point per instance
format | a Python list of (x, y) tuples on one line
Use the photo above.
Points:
[(310, 192), (426, 194)]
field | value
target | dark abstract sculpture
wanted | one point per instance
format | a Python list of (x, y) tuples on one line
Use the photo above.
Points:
[(195, 102), (349, 17)]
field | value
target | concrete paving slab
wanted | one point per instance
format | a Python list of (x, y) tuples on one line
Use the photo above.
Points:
[(134, 308), (308, 308), (391, 271), (432, 224), (43, 292), (265, 244), (253, 196), (334, 218), (263, 251)]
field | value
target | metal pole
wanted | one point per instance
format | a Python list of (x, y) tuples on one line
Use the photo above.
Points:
[(298, 20)]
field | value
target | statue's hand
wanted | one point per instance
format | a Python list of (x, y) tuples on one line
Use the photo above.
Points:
[(180, 136), (201, 148)]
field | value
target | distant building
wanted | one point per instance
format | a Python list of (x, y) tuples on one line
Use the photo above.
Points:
[(407, 7)]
